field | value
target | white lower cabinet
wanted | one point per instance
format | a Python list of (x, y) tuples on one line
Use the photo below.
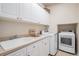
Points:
[(53, 44), (39, 48), (21, 52), (33, 49), (44, 47)]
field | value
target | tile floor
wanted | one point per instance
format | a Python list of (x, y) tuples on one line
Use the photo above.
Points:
[(60, 53)]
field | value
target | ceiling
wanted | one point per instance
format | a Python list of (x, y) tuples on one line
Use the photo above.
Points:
[(49, 4), (46, 5)]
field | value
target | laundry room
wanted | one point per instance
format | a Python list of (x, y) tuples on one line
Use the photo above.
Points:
[(67, 38)]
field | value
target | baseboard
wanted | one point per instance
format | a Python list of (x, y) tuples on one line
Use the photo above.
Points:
[(53, 55)]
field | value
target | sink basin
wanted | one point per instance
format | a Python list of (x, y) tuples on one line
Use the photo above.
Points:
[(10, 44)]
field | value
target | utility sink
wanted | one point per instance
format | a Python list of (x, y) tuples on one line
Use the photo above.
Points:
[(11, 44)]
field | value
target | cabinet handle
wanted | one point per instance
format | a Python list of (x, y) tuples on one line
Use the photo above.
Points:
[(17, 17), (34, 46), (20, 18), (28, 55), (45, 43)]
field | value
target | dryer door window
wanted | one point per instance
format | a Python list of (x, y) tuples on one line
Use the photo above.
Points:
[(66, 41)]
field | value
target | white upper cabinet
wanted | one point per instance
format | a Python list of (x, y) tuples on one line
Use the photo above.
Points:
[(34, 13), (25, 11), (10, 10), (0, 8), (39, 14)]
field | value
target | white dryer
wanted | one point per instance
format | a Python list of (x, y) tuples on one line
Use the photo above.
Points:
[(67, 41)]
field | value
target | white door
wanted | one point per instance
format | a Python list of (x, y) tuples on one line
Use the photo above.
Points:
[(36, 13), (53, 44), (39, 14), (44, 47), (33, 13), (10, 9), (0, 7), (44, 17), (33, 49), (26, 12), (29, 50)]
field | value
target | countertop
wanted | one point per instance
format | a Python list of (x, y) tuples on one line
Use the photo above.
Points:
[(35, 39)]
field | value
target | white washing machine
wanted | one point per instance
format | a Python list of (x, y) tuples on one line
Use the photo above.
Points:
[(67, 41)]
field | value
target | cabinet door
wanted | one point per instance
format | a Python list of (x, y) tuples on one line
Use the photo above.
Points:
[(33, 13), (44, 48), (39, 14), (53, 44), (0, 7), (26, 12), (44, 17), (33, 49), (29, 12), (10, 9), (21, 52)]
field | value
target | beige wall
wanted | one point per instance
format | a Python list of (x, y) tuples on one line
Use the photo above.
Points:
[(78, 29), (78, 38), (67, 27), (64, 14), (12, 28)]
